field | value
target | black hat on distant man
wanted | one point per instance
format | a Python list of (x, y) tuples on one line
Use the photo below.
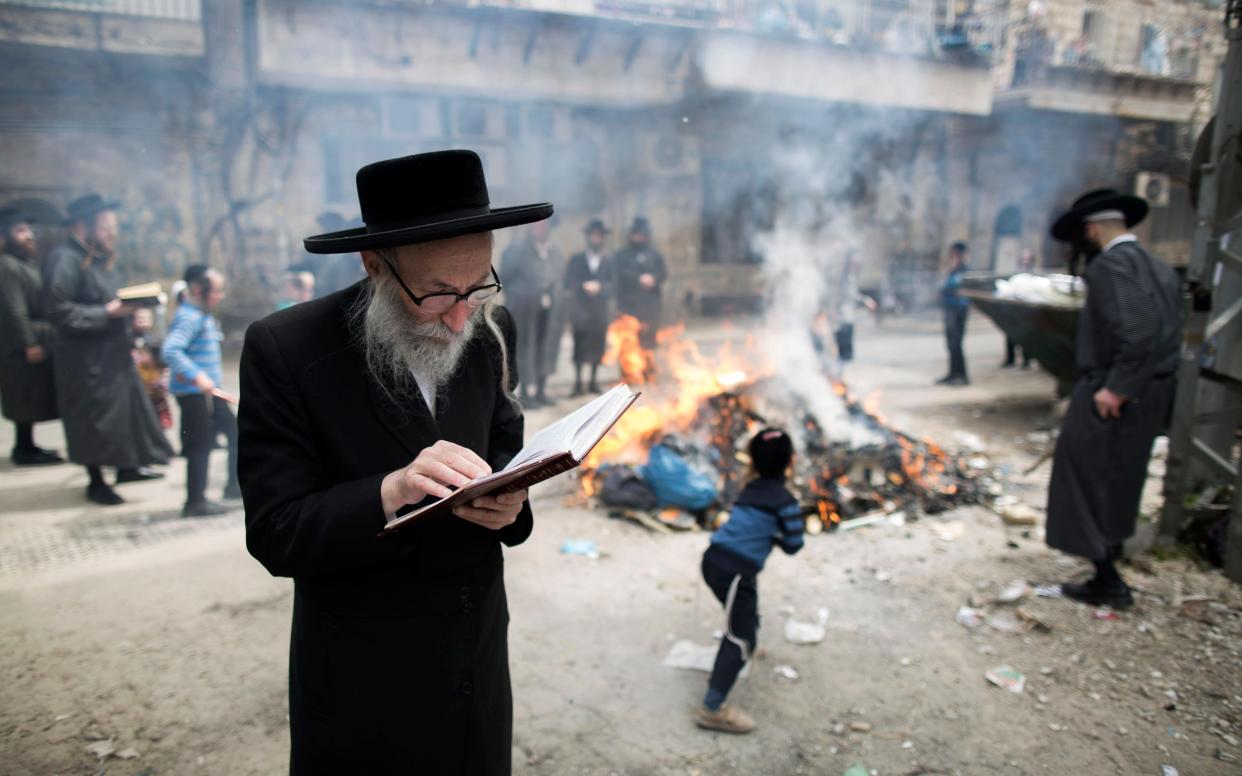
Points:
[(640, 226), (85, 207), (11, 216), (595, 225), (420, 198), (1099, 205)]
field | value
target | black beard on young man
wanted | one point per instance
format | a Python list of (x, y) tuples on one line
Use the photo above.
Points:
[(397, 345)]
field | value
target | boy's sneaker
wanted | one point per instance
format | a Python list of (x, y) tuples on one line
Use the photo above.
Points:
[(726, 719)]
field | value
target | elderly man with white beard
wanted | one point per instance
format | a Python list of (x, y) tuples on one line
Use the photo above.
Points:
[(355, 407)]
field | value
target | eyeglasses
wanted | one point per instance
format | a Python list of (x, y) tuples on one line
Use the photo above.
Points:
[(443, 301)]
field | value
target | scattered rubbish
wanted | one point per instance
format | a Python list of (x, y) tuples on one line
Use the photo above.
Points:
[(1032, 621), (860, 727), (1224, 756), (1006, 678), (584, 547), (948, 532), (641, 519), (1003, 622), (1055, 728), (128, 754), (971, 618), (883, 576), (789, 672), (969, 441), (1105, 614), (857, 769), (1014, 592), (798, 632), (873, 518), (907, 744), (1020, 514), (678, 519), (691, 656), (675, 482), (623, 487), (905, 661), (1048, 591), (1168, 770), (102, 749)]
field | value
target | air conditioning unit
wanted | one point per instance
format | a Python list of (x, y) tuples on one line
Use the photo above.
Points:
[(1153, 187), (667, 153)]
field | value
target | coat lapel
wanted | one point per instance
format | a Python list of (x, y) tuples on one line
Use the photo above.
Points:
[(408, 425)]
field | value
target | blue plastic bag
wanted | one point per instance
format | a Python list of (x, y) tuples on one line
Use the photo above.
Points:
[(675, 483)]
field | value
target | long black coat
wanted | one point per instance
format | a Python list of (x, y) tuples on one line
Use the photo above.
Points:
[(399, 658), (27, 394), (632, 297), (1129, 336), (588, 315), (108, 418), (528, 281)]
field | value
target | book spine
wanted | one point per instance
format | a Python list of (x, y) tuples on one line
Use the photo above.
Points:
[(542, 473)]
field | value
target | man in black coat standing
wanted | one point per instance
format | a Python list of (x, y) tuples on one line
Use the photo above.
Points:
[(108, 418), (27, 395), (534, 269), (588, 291), (1129, 337), (640, 276), (355, 407)]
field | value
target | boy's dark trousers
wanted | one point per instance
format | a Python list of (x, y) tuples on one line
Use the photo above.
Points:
[(954, 332), (728, 578), (202, 419)]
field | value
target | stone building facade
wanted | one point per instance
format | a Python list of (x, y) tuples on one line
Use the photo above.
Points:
[(227, 127)]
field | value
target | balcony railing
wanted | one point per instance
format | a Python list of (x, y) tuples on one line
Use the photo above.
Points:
[(182, 10), (900, 26)]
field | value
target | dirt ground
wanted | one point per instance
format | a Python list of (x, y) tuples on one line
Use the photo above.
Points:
[(137, 643)]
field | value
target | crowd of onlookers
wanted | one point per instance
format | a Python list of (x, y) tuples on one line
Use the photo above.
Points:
[(79, 347)]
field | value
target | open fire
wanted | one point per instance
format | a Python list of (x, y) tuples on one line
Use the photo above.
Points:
[(707, 407)]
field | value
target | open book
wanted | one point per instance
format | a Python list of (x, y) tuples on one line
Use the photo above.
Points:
[(556, 449), (144, 295)]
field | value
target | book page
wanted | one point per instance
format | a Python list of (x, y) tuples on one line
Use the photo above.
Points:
[(559, 437), (593, 430)]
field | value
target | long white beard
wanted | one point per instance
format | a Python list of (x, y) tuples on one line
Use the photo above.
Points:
[(397, 346)]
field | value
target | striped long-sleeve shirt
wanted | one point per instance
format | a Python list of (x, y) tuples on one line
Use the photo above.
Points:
[(765, 514), (191, 347)]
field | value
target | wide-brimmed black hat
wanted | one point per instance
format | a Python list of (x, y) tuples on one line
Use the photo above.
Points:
[(420, 198), (88, 205), (1067, 227), (595, 225), (640, 225), (12, 215)]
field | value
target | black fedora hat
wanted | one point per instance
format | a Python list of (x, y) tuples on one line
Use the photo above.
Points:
[(13, 215), (88, 205), (640, 225), (420, 198), (1133, 210), (595, 225)]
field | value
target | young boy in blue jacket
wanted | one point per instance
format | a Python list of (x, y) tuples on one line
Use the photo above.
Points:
[(765, 514)]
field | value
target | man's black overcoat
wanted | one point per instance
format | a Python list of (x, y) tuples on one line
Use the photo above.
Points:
[(399, 659), (1129, 337)]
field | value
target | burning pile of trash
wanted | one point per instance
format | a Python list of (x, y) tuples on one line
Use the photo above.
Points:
[(676, 460)]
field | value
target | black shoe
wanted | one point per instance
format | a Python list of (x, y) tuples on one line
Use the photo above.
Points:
[(944, 380), (1116, 596), (576, 392), (958, 380), (232, 492), (36, 457), (544, 400), (203, 509), (533, 402), (103, 494), (1007, 365), (141, 474), (594, 388)]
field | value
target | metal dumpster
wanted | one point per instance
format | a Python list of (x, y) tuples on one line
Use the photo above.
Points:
[(1045, 331)]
